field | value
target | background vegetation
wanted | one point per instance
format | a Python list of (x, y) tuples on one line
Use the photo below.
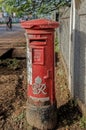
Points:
[(35, 7)]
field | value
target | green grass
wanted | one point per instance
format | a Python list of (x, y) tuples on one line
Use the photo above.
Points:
[(10, 63), (56, 45), (83, 122)]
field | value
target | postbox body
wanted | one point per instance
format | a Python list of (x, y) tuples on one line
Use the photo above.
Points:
[(41, 88), (40, 61)]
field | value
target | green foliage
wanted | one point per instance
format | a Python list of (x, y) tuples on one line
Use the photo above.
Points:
[(13, 64), (56, 45), (73, 103), (10, 63), (1, 1), (20, 117), (31, 6), (8, 5), (83, 122)]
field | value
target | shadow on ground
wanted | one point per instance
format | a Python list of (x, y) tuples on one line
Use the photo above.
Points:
[(68, 114)]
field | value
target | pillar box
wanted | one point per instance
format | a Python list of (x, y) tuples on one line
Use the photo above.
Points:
[(41, 103)]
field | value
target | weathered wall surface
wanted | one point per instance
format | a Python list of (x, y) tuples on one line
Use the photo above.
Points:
[(82, 75), (64, 34), (76, 55)]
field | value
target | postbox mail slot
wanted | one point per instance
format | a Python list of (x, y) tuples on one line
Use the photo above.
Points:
[(41, 39), (38, 55)]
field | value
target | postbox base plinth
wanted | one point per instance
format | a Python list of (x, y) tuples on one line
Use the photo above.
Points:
[(42, 117)]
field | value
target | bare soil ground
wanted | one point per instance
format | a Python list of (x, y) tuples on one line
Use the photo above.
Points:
[(13, 98), (68, 112)]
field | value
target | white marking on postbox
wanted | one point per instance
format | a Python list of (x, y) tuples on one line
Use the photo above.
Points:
[(40, 99), (29, 65), (38, 87), (29, 61)]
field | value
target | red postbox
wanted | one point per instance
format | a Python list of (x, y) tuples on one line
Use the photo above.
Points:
[(41, 105)]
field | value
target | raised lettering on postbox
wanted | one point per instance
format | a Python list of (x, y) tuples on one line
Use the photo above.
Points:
[(38, 87)]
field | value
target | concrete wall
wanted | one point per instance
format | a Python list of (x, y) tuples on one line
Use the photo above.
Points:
[(82, 75), (74, 55), (64, 34)]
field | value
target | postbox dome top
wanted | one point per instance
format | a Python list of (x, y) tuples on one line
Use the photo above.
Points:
[(39, 24)]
